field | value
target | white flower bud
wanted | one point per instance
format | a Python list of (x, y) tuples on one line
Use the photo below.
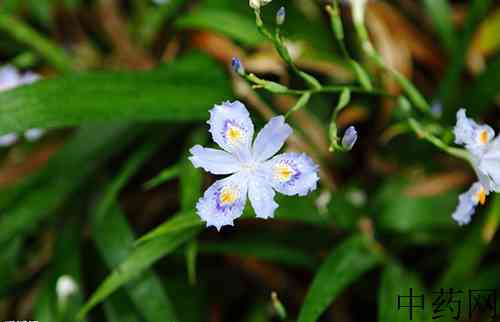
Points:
[(65, 287), (256, 4)]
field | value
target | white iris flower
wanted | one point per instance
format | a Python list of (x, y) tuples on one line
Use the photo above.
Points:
[(484, 148), (254, 172)]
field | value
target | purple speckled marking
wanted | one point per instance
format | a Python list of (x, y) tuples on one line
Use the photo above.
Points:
[(296, 172), (220, 207)]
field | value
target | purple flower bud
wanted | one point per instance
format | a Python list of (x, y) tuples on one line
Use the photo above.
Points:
[(280, 16), (350, 138), (238, 66), (437, 109)]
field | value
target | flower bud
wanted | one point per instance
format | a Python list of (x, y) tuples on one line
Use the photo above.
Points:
[(238, 66), (256, 4), (280, 16), (65, 287), (358, 10), (350, 138), (437, 109)]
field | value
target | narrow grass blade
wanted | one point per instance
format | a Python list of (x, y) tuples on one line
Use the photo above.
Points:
[(342, 267)]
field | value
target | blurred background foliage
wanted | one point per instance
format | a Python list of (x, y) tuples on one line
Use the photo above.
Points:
[(107, 196)]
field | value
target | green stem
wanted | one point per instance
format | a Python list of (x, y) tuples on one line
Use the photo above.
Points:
[(338, 31), (277, 88), (27, 35), (279, 44), (413, 94), (421, 131)]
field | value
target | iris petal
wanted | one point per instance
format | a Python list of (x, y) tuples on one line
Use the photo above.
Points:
[(223, 201), (213, 160), (292, 173), (467, 204), (474, 136), (261, 196), (232, 128), (9, 77), (271, 138)]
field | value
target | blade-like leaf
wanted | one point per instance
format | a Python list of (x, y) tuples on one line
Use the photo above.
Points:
[(182, 90), (66, 262), (449, 87), (484, 89), (177, 223), (440, 13), (242, 28), (396, 281), (25, 34), (164, 176), (114, 239), (342, 267), (466, 258), (139, 259), (118, 308), (415, 217), (66, 171)]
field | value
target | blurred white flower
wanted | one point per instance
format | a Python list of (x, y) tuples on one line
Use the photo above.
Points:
[(65, 287), (34, 134), (10, 78), (8, 139), (256, 4)]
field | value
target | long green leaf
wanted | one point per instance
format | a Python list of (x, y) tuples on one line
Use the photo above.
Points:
[(440, 13), (115, 239), (177, 223), (449, 88), (118, 308), (342, 267), (182, 90), (139, 259), (242, 28), (484, 89), (66, 171), (66, 262), (396, 281), (29, 36), (466, 257)]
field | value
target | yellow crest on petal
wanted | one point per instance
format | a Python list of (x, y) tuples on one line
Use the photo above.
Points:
[(481, 196), (283, 171), (484, 137), (228, 195)]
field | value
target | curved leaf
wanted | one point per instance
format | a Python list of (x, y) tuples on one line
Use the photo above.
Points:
[(139, 259), (114, 239), (396, 281), (342, 267), (182, 90)]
